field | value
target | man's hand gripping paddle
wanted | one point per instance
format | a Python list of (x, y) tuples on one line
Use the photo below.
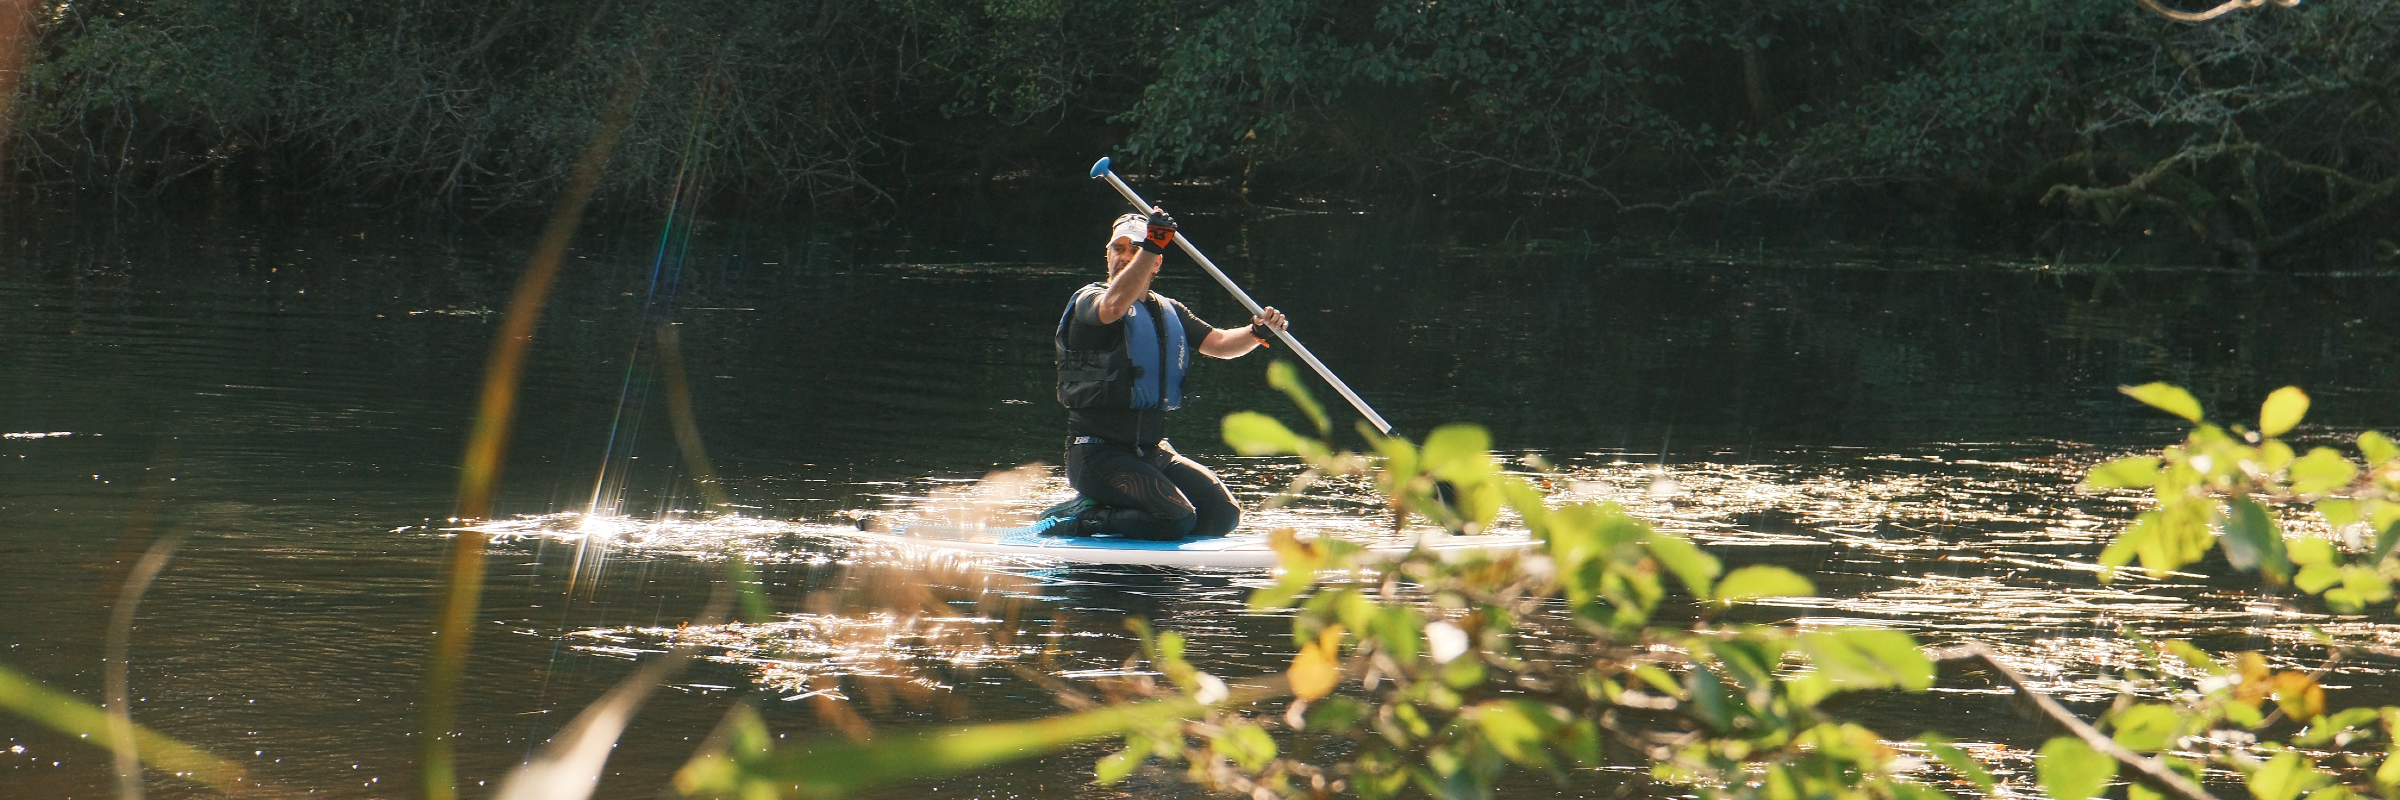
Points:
[(1100, 170)]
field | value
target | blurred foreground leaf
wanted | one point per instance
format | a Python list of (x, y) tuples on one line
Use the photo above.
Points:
[(2284, 777), (2282, 411), (27, 698), (837, 767), (2322, 470), (2254, 541), (2165, 397), (1284, 378), (2136, 472), (1255, 434), (2072, 770), (2146, 727), (1869, 658), (1761, 580), (1958, 761)]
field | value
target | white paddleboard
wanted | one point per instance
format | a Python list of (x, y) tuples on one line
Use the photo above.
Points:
[(1232, 552)]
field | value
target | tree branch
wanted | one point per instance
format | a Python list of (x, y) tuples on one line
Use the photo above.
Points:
[(2229, 7), (2146, 771)]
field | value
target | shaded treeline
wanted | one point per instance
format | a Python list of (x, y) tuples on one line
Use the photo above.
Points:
[(2079, 127)]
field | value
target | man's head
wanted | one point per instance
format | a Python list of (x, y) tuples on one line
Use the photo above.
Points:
[(1121, 236)]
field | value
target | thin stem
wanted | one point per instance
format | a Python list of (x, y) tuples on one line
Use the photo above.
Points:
[(489, 440), (2146, 771), (118, 670)]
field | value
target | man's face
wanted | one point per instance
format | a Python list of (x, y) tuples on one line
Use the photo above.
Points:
[(1120, 253)]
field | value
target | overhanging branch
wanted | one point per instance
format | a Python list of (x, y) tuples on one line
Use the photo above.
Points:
[(2146, 771)]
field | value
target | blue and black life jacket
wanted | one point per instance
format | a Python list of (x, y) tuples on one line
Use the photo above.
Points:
[(1145, 370)]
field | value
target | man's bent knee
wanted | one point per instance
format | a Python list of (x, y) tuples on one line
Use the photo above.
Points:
[(1217, 520)]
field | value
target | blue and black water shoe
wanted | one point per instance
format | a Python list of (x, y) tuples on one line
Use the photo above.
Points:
[(1064, 519)]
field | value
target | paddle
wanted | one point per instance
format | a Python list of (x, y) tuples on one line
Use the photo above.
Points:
[(1100, 170)]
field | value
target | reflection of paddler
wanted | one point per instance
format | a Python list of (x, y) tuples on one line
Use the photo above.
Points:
[(1122, 355)]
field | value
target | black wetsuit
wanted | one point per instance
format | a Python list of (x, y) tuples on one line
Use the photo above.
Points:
[(1119, 458)]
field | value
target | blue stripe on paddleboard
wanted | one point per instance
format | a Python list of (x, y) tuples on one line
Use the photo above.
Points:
[(1030, 537)]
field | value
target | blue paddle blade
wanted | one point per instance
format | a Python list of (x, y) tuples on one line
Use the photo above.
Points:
[(1100, 167)]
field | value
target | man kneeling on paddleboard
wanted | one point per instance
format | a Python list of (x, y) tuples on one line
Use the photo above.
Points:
[(1122, 354)]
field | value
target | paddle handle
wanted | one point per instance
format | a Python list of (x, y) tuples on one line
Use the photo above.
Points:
[(1101, 170)]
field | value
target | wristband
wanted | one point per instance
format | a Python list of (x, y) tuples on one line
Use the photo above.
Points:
[(1147, 247), (1264, 334)]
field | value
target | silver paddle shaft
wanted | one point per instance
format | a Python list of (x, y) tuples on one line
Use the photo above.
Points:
[(1190, 250)]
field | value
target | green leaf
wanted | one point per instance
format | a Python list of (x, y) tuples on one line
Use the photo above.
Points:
[(2129, 542), (2071, 770), (1247, 744), (1120, 766), (1255, 434), (1958, 761), (1659, 680), (2316, 578), (2165, 397), (1695, 567), (2284, 777), (2377, 448), (1869, 658), (2282, 411), (1708, 697), (1399, 630), (1749, 662), (2387, 531), (2322, 470), (2134, 472), (2387, 776), (2351, 718), (1283, 377), (2254, 541), (2367, 582), (746, 585), (1808, 690), (1761, 580), (2147, 727), (1458, 453), (2275, 456), (2198, 659), (2244, 715), (1514, 728), (1336, 714), (2360, 587), (2312, 551), (2338, 513), (1580, 740), (1399, 459), (1463, 672)]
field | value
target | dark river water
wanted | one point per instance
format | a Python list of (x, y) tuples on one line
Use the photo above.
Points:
[(292, 398)]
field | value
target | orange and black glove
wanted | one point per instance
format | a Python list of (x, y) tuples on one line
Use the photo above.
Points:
[(1162, 233)]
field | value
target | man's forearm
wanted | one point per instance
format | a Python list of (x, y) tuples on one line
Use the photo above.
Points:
[(1128, 286), (1228, 343)]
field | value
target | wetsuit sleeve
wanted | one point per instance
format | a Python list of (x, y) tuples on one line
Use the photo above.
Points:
[(1086, 332), (1194, 329), (1087, 308)]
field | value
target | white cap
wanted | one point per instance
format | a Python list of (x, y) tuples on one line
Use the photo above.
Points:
[(1130, 227)]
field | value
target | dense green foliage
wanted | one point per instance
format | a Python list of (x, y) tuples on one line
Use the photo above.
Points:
[(2071, 122), (491, 102)]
